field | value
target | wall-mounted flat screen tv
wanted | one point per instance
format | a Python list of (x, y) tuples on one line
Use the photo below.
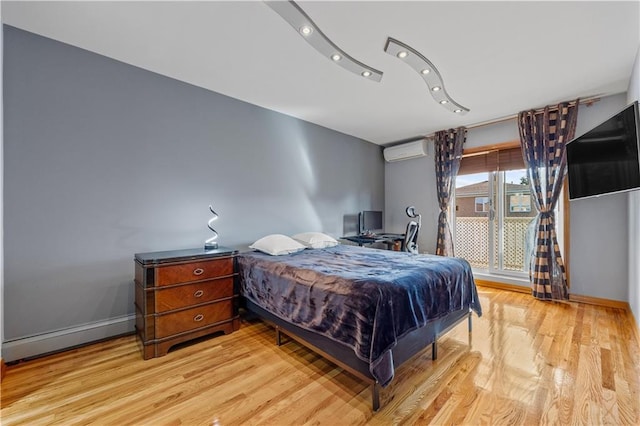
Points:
[(605, 159)]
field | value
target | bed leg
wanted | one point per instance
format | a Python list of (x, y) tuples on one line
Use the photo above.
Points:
[(278, 337), (375, 396), (470, 329), (434, 350)]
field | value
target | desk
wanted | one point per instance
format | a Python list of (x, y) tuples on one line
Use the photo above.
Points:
[(391, 240)]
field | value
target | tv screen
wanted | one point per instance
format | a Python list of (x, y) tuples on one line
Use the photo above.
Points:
[(371, 221), (604, 160)]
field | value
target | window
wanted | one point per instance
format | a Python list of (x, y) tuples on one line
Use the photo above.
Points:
[(520, 203), (493, 234), (494, 238), (482, 204)]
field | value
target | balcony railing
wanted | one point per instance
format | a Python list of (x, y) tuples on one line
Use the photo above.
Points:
[(472, 241)]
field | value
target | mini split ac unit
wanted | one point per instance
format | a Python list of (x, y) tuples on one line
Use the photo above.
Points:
[(406, 151)]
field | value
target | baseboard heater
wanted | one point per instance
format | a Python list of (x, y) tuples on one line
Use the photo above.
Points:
[(55, 341)]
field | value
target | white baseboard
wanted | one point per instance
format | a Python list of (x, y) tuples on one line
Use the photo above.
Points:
[(27, 347)]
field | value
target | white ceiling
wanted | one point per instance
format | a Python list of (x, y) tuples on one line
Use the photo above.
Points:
[(496, 58)]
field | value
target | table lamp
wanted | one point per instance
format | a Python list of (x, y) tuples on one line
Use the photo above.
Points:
[(211, 243)]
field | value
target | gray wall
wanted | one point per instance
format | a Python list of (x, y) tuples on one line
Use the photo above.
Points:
[(599, 259), (412, 183), (633, 94), (103, 160), (599, 226), (1, 194)]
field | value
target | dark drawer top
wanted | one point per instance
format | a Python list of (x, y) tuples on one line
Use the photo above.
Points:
[(159, 257)]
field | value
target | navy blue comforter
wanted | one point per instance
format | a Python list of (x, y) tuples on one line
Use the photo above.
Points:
[(364, 298)]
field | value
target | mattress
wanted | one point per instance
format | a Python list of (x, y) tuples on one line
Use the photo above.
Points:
[(366, 299)]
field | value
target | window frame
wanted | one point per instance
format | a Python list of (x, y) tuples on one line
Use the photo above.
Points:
[(565, 205)]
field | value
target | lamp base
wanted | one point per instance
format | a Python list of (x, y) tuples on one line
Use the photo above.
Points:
[(210, 246)]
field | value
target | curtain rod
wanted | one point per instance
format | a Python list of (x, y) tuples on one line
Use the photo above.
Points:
[(587, 101)]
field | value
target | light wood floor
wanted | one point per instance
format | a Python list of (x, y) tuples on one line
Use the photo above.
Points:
[(530, 363)]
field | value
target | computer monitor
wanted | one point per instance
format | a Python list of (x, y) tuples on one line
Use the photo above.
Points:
[(371, 221), (351, 224)]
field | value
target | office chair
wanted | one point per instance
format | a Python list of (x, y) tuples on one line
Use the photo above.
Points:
[(411, 235)]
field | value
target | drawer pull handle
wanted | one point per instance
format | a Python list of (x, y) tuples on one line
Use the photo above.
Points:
[(198, 318), (198, 271), (198, 293)]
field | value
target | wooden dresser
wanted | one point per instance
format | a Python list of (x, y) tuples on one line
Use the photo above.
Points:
[(182, 295)]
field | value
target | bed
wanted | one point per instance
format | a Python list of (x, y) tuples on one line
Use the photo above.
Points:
[(366, 310)]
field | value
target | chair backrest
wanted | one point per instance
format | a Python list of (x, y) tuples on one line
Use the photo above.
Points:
[(411, 237)]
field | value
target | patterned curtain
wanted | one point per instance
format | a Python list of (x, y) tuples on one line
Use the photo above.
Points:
[(448, 152), (543, 135)]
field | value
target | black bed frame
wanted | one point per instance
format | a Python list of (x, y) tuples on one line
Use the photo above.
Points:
[(343, 356)]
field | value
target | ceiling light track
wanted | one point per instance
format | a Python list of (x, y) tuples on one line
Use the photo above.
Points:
[(300, 21), (427, 71)]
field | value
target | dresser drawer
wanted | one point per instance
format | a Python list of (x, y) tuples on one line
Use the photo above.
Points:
[(167, 275), (183, 296), (189, 319)]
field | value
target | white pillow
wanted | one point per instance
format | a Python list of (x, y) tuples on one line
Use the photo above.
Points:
[(277, 244), (316, 239)]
